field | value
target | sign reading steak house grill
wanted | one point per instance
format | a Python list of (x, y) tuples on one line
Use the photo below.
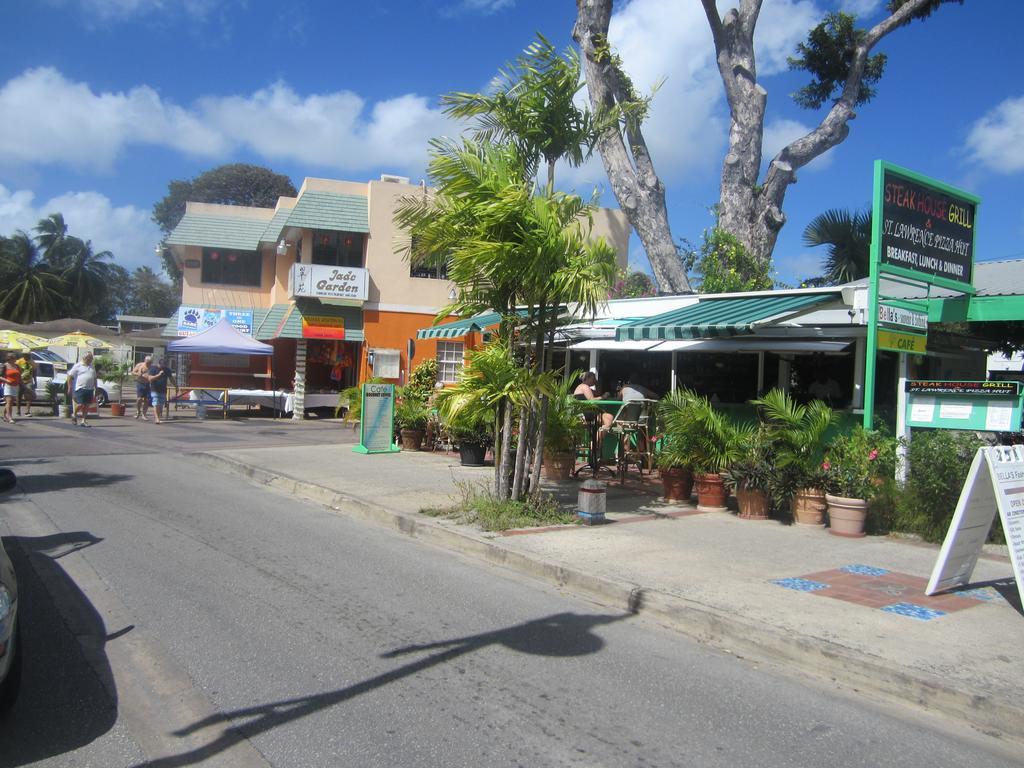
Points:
[(927, 228)]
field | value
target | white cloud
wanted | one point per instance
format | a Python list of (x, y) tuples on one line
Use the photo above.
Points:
[(61, 121), (120, 10), (126, 231), (996, 141), (779, 133), (780, 26), (861, 8), (481, 7), (796, 267)]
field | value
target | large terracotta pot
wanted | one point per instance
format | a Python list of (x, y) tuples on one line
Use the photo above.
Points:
[(711, 492), (412, 439), (117, 409), (846, 516), (808, 506), (753, 504), (678, 483), (558, 467)]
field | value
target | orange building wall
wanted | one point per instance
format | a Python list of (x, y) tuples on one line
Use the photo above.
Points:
[(392, 330)]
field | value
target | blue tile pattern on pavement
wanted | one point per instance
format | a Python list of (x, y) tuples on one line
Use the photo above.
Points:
[(914, 611), (979, 593), (802, 585), (864, 570)]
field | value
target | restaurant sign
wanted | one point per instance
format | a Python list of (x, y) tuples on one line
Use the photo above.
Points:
[(927, 228), (193, 320), (325, 282), (908, 318), (323, 327), (897, 341)]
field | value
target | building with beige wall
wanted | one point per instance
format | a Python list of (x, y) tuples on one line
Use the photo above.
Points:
[(325, 278)]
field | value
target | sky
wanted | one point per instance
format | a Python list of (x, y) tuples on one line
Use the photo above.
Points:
[(104, 102)]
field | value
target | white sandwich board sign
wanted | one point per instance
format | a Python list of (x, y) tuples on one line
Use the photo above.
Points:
[(995, 482)]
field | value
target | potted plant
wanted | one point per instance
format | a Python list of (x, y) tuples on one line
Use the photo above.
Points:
[(855, 465), (564, 432), (55, 396), (678, 451), (411, 415), (118, 373), (798, 435), (750, 476)]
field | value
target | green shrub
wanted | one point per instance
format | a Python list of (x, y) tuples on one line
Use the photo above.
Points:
[(937, 465), (422, 380), (479, 505)]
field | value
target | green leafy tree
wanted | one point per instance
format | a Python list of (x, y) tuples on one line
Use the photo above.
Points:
[(725, 266), (848, 237), (233, 184), (632, 285), (29, 290), (85, 278), (151, 295)]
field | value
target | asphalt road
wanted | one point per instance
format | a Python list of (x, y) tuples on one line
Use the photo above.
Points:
[(175, 616)]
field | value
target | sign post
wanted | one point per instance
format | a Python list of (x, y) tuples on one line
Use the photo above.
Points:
[(377, 420), (922, 234), (994, 482)]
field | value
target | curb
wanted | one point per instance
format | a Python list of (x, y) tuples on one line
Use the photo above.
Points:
[(814, 657)]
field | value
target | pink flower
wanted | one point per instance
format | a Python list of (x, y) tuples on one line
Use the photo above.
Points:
[(873, 455), (826, 466)]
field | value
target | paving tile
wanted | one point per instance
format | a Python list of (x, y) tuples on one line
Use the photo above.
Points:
[(864, 570), (801, 585), (914, 611)]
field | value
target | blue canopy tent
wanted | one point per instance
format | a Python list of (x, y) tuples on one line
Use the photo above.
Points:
[(224, 339)]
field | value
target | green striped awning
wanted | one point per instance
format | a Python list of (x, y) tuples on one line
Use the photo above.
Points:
[(710, 318), (457, 328)]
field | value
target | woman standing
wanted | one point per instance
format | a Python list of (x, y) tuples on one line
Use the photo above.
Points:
[(12, 386)]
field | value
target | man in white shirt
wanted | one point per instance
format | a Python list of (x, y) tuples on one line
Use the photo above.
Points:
[(82, 386)]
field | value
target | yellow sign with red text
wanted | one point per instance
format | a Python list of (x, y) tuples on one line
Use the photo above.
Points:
[(323, 327)]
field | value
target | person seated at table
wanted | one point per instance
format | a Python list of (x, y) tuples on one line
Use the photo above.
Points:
[(634, 390), (585, 391)]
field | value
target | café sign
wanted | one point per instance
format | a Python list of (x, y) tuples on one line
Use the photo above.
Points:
[(325, 282)]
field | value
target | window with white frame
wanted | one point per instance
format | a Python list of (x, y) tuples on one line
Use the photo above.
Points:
[(449, 361)]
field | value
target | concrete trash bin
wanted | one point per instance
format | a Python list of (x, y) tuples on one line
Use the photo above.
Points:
[(200, 411), (591, 502)]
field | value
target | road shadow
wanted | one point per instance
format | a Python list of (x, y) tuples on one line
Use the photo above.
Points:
[(62, 481), (560, 635), (68, 698)]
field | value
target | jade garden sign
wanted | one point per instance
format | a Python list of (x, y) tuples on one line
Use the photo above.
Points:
[(995, 482), (377, 419), (922, 235)]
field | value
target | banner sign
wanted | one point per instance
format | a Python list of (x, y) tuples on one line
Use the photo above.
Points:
[(377, 420), (899, 341), (992, 406), (927, 228), (889, 315), (193, 320), (323, 327), (994, 482), (324, 282)]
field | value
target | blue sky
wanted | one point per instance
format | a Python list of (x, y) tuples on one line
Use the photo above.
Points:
[(103, 102)]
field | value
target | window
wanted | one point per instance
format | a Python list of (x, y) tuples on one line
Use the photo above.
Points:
[(431, 270), (337, 249), (228, 267), (449, 361)]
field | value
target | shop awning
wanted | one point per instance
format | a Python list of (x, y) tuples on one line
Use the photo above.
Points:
[(711, 318), (611, 345), (457, 328), (796, 346), (311, 320)]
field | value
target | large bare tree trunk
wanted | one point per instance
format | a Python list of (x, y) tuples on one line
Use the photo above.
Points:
[(639, 191), (750, 211)]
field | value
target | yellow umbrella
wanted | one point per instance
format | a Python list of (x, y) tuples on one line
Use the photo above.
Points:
[(16, 341), (77, 339)]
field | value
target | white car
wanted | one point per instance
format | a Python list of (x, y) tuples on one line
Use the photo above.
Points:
[(10, 646), (52, 367)]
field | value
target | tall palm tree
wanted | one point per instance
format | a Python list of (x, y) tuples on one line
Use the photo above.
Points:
[(85, 276), (533, 107), (29, 291), (848, 237), (51, 236)]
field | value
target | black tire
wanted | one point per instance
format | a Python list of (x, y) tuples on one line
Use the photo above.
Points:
[(12, 683), (101, 398)]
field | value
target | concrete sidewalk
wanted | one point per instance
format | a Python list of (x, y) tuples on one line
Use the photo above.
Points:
[(852, 611)]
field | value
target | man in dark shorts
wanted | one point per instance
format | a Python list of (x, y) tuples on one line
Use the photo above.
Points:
[(141, 374), (159, 375)]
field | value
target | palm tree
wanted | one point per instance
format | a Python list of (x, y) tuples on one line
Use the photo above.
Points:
[(533, 108), (86, 276), (848, 236), (29, 291), (51, 237)]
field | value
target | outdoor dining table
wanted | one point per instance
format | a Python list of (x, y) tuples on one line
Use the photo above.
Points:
[(595, 408)]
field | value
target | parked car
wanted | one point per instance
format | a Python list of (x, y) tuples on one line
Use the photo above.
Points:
[(49, 366), (10, 644)]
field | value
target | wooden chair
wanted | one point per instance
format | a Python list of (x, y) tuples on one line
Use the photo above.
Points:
[(632, 424)]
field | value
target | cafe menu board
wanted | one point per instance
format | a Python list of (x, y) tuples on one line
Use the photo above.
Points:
[(927, 227), (995, 482), (992, 406), (377, 419)]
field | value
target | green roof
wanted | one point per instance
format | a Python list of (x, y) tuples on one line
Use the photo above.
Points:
[(284, 321), (717, 317), (218, 232), (273, 230), (327, 210), (457, 328)]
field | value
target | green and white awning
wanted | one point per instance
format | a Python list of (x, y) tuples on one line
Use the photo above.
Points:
[(712, 318), (457, 328)]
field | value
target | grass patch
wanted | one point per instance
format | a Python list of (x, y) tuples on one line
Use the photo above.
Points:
[(478, 505)]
